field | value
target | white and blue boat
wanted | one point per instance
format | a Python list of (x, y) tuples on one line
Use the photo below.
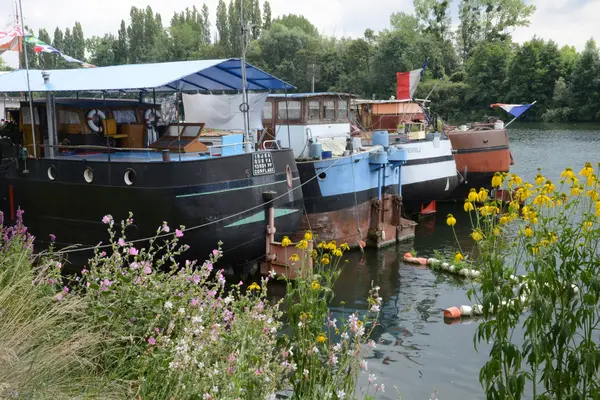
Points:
[(352, 193)]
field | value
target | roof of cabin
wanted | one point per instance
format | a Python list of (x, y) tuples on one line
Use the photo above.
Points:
[(308, 95), (186, 76)]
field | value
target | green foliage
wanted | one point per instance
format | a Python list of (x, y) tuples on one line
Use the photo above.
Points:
[(585, 83), (550, 234)]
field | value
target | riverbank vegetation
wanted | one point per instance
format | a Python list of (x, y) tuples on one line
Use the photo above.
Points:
[(467, 43), (136, 323), (540, 287)]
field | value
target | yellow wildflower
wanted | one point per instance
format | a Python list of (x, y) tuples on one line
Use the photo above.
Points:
[(515, 180), (468, 206), (482, 195), (514, 206), (587, 170), (587, 225), (450, 220), (344, 246), (549, 187), (541, 199), (308, 235), (503, 220), (303, 244), (254, 286), (528, 232), (458, 257), (576, 191), (472, 195), (497, 180), (294, 257), (321, 339), (477, 235), (315, 254), (567, 174), (325, 260), (322, 245), (535, 250), (591, 180), (496, 231), (592, 195), (315, 285), (539, 179), (286, 241), (337, 253)]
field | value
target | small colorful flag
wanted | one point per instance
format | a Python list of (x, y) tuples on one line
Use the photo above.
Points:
[(41, 47), (516, 110), (9, 39)]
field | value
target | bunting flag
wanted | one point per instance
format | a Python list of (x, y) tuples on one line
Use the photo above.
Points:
[(407, 82), (9, 39), (516, 110)]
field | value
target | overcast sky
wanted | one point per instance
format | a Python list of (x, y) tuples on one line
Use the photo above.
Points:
[(565, 21)]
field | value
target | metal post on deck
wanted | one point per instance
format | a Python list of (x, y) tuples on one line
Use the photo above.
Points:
[(28, 87)]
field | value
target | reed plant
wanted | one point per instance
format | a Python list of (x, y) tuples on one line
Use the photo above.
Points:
[(540, 287)]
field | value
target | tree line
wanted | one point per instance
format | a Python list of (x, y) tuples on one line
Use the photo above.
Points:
[(471, 66)]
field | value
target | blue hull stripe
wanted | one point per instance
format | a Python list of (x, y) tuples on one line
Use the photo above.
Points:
[(260, 216)]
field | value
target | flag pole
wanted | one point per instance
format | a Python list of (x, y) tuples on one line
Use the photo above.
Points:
[(513, 120), (31, 115)]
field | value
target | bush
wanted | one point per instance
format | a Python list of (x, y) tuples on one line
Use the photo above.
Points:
[(551, 235)]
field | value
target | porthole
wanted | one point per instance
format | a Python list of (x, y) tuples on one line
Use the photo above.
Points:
[(52, 172), (322, 175), (288, 175), (129, 177), (88, 175)]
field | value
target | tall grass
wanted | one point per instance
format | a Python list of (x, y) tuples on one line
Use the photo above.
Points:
[(46, 345)]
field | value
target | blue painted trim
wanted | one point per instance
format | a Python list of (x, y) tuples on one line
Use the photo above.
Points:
[(261, 216)]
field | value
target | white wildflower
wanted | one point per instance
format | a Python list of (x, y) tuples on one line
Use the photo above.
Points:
[(337, 347), (227, 299), (375, 308), (315, 350), (305, 373), (372, 378), (181, 311), (300, 324), (168, 305), (345, 336), (363, 365), (272, 273), (341, 394)]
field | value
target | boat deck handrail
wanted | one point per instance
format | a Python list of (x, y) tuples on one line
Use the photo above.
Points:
[(271, 141), (96, 147), (210, 148)]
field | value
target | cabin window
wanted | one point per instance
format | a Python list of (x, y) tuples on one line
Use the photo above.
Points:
[(68, 117), (329, 109), (343, 109), (314, 108), (26, 118), (267, 111), (125, 116), (293, 110)]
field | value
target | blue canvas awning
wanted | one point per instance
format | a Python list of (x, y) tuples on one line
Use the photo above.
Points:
[(186, 76)]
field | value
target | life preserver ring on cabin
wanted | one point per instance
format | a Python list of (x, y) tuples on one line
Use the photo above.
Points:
[(151, 116), (91, 119)]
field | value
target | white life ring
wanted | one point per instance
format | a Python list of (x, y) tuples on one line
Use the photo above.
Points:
[(90, 119), (151, 116)]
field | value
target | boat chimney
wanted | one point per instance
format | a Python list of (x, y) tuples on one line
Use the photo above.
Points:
[(46, 76), (166, 156)]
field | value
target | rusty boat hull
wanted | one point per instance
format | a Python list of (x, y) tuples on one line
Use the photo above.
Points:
[(479, 153)]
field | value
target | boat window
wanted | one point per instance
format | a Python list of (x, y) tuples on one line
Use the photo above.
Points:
[(68, 117), (293, 110), (313, 109), (267, 111), (125, 116), (26, 119), (329, 109), (343, 109)]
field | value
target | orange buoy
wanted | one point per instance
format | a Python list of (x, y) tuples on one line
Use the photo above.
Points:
[(452, 312), (422, 261), (408, 255)]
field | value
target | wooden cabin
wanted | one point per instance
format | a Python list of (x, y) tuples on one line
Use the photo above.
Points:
[(299, 117), (399, 116), (88, 122)]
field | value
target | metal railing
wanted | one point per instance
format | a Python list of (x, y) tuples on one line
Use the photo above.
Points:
[(220, 146)]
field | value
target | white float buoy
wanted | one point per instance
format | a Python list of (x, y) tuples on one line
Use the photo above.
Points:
[(474, 274), (451, 268), (432, 261), (477, 309), (466, 311)]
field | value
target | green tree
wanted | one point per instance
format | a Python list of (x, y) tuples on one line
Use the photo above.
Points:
[(292, 21), (205, 25), (568, 59), (4, 66), (121, 55), (68, 43), (256, 19), (222, 25), (78, 50), (470, 30), (585, 84), (102, 50), (235, 28), (266, 16)]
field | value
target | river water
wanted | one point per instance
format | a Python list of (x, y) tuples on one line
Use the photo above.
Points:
[(417, 352)]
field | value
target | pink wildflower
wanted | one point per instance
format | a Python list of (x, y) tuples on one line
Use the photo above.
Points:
[(156, 330), (121, 242), (178, 233), (257, 372), (52, 238), (196, 279), (209, 266), (84, 271), (165, 227), (58, 265), (138, 280), (212, 293), (215, 252), (241, 283), (147, 270), (134, 265), (103, 254), (106, 219), (152, 341), (133, 251), (59, 296), (66, 289), (194, 302)]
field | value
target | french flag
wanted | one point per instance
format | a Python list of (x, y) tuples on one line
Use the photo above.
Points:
[(407, 82), (516, 110)]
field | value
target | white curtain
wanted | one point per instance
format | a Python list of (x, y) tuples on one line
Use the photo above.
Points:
[(222, 111)]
